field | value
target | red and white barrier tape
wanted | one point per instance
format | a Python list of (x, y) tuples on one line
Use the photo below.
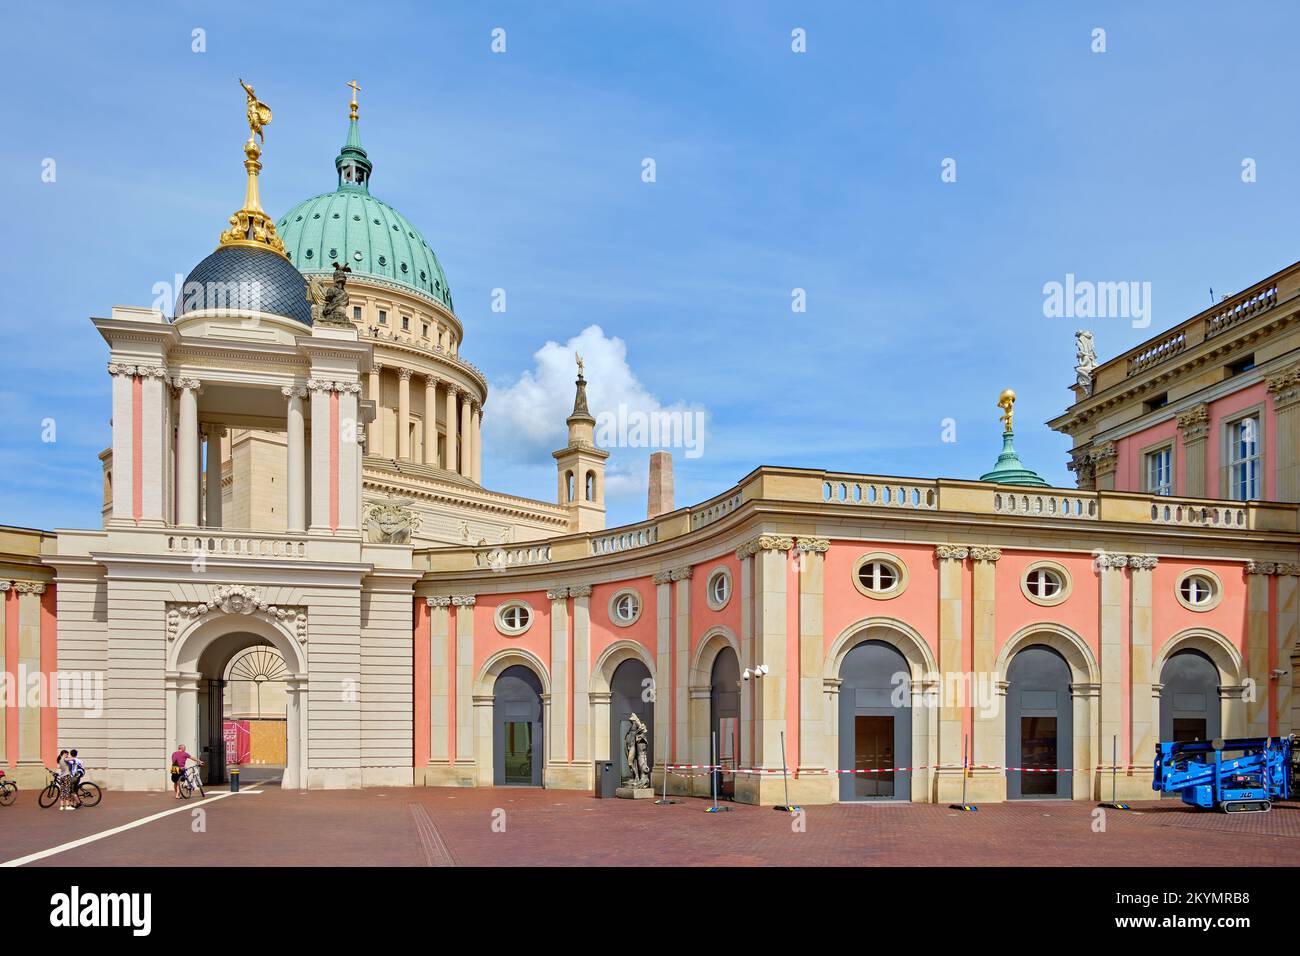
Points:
[(709, 768)]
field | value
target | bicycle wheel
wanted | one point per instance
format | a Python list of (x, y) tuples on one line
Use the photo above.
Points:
[(198, 785), (89, 794), (8, 794), (186, 788), (49, 796)]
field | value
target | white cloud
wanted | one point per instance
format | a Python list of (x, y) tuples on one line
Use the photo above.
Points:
[(525, 420)]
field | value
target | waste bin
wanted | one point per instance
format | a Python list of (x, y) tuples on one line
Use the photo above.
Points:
[(606, 778)]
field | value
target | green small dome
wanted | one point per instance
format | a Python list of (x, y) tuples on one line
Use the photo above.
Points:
[(1010, 470), (349, 225)]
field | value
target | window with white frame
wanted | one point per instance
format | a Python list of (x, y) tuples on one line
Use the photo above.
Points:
[(1043, 583), (1243, 459), (879, 576), (514, 617), (719, 589), (1196, 590), (1160, 471), (625, 608)]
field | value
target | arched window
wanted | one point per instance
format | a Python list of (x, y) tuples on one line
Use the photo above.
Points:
[(568, 486), (591, 486)]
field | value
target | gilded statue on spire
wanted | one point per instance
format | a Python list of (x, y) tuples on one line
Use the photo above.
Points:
[(1006, 402), (250, 225), (579, 360), (259, 114)]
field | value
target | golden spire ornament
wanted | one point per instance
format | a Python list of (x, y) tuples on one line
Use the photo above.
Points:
[(1006, 402), (355, 89), (250, 225)]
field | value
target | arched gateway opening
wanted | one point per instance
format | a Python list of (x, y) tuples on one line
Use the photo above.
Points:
[(1040, 728), (217, 670), (626, 693), (875, 723), (517, 746), (1189, 698)]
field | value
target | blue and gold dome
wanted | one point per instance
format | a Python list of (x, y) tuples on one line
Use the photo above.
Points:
[(249, 270), (351, 226)]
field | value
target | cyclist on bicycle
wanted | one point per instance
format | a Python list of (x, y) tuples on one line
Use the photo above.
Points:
[(179, 759)]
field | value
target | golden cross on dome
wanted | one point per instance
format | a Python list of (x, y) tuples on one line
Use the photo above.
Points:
[(355, 89)]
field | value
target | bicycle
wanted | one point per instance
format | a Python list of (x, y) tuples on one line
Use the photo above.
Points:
[(190, 782), (87, 794), (8, 790)]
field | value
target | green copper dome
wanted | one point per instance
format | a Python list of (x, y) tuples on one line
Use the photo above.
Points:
[(350, 225), (1010, 470)]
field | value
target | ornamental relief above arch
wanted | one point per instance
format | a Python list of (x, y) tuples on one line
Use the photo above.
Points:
[(236, 599)]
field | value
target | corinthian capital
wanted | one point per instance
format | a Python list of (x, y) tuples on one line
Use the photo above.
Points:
[(951, 552)]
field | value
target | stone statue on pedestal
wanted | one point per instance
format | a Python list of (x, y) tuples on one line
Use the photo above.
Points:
[(636, 749)]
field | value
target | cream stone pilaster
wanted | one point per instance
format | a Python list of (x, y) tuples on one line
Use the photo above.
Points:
[(466, 437), (1104, 460), (1194, 427), (582, 756), (1284, 389), (771, 554), (663, 670), (988, 723), (1144, 722), (1288, 639), (431, 421), (5, 667), (296, 466), (29, 667), (466, 705), (812, 649), (295, 770), (681, 578), (745, 557), (441, 708), (557, 741), (123, 377), (404, 414), (351, 440), (452, 417), (952, 561), (1257, 641), (476, 430), (153, 445), (1112, 612), (374, 441), (320, 454), (187, 452)]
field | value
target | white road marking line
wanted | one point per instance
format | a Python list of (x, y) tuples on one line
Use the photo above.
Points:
[(94, 837)]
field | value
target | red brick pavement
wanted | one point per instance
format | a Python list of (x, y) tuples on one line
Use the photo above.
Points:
[(422, 827)]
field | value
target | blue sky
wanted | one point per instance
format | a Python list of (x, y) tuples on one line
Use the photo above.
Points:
[(775, 171)]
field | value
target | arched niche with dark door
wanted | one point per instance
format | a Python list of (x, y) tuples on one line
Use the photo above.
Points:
[(875, 723), (1189, 698), (517, 751), (724, 718), (631, 678), (1040, 724)]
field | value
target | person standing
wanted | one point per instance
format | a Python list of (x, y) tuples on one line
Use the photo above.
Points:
[(180, 757), (67, 780)]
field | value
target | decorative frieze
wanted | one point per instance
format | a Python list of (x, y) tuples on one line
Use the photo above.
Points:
[(1085, 471), (1284, 387), (143, 371), (1142, 562), (1104, 459), (813, 545), (674, 574), (765, 542), (1261, 567), (236, 599), (951, 552), (439, 601), (558, 594), (29, 587), (1109, 562), (187, 384), (463, 600), (1194, 424), (580, 591), (663, 577), (986, 554), (293, 391), (321, 385)]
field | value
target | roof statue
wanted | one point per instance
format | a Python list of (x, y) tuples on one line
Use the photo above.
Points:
[(250, 225), (1085, 361), (259, 114), (329, 300), (1010, 470)]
